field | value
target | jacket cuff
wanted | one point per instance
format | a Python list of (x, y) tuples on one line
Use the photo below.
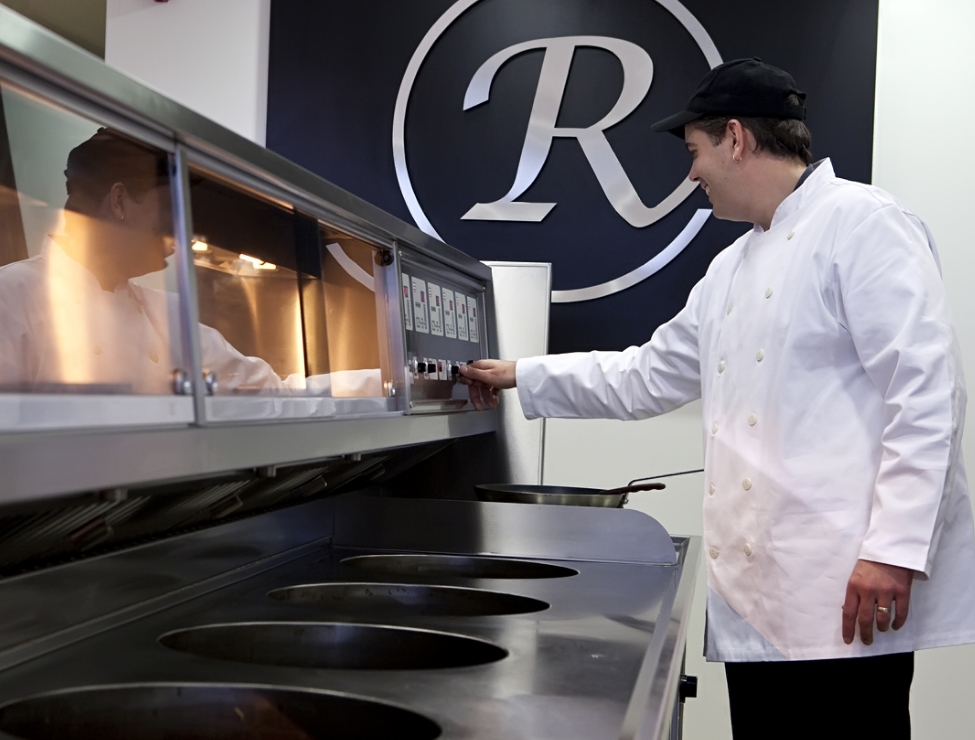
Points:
[(523, 381), (920, 564)]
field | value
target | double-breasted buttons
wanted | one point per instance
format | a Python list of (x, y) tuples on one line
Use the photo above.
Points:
[(768, 292), (154, 357), (752, 420), (714, 428), (730, 306), (714, 552), (747, 484), (791, 234), (747, 548), (721, 367), (711, 489), (138, 308), (96, 349), (760, 355)]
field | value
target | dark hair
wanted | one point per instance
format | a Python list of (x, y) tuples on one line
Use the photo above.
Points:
[(786, 138), (96, 164)]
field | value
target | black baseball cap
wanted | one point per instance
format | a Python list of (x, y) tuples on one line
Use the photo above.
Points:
[(743, 87)]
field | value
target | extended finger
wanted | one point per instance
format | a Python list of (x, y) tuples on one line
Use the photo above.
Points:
[(490, 396), (850, 608), (487, 398), (865, 617), (467, 373), (903, 600), (472, 372), (474, 390)]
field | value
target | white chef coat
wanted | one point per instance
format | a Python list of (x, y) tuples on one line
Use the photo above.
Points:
[(57, 326), (833, 402)]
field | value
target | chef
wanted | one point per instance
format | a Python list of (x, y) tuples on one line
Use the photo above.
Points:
[(838, 530), (73, 317)]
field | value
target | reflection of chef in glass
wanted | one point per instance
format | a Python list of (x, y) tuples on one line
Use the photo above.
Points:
[(72, 317)]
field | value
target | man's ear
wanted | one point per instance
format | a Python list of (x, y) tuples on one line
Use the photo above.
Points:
[(738, 136), (115, 201)]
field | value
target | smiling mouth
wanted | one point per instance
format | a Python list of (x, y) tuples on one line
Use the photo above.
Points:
[(707, 189)]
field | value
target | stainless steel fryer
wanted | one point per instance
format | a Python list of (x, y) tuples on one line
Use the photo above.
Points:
[(209, 556)]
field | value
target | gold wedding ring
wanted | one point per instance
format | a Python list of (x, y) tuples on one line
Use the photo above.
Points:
[(883, 609)]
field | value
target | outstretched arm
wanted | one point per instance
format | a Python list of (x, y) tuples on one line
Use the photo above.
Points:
[(636, 383)]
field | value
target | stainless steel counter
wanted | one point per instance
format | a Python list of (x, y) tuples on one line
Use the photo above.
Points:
[(602, 661)]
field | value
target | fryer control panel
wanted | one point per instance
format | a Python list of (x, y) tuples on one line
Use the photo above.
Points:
[(444, 323)]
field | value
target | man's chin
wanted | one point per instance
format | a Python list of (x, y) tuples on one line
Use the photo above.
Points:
[(723, 215)]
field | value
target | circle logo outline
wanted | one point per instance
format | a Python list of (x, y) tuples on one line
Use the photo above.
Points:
[(653, 265)]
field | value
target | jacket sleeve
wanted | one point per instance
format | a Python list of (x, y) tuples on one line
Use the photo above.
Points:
[(891, 299), (637, 383), (233, 369)]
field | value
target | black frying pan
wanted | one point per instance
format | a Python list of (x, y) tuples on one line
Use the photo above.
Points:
[(569, 495), (560, 495)]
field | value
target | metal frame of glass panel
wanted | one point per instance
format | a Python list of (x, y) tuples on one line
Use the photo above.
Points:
[(54, 460)]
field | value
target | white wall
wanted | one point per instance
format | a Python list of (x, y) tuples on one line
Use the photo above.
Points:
[(209, 55), (924, 156)]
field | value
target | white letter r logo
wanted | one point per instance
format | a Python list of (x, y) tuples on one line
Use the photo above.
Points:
[(637, 76)]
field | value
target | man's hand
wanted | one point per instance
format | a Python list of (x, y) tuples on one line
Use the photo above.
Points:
[(486, 379), (874, 585)]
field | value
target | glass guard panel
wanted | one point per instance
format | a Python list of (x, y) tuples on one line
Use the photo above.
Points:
[(247, 285), (348, 339), (291, 312), (88, 301)]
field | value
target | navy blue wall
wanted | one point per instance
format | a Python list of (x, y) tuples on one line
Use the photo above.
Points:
[(336, 69)]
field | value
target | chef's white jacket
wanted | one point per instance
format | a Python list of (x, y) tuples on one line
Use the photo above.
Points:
[(57, 326), (833, 400)]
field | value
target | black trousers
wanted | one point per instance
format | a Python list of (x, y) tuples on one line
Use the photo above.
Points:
[(822, 699)]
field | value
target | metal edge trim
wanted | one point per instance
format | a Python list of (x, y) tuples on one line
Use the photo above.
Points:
[(39, 465), (635, 721)]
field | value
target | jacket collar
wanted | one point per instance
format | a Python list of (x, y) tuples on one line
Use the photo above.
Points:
[(65, 267), (817, 181), (60, 265)]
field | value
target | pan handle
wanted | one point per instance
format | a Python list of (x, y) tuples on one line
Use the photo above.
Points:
[(665, 475), (633, 489)]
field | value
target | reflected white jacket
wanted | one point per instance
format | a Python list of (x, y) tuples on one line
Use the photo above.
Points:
[(57, 326), (833, 402)]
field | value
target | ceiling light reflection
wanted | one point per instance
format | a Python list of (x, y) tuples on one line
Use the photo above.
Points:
[(258, 264)]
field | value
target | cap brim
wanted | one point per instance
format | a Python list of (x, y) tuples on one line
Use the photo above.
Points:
[(675, 124)]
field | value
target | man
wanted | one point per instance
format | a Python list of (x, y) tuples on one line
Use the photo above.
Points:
[(820, 342), (72, 317)]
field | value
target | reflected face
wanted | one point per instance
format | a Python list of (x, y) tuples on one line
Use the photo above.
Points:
[(150, 217), (127, 237), (134, 232)]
